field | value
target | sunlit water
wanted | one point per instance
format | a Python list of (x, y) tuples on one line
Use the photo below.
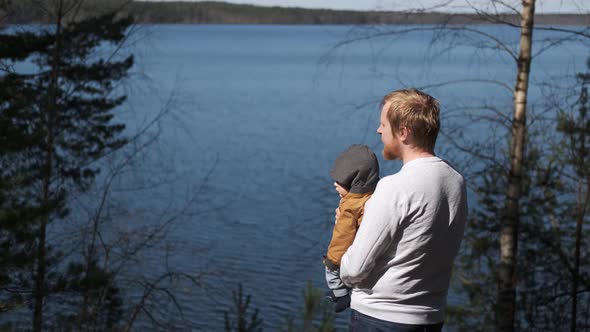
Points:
[(262, 113), (259, 114)]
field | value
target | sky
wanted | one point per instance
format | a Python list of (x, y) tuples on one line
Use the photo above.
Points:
[(543, 6)]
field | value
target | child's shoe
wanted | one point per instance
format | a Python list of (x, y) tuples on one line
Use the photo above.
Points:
[(329, 295), (342, 303)]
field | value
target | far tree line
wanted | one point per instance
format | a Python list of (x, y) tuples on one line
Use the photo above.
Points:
[(182, 12)]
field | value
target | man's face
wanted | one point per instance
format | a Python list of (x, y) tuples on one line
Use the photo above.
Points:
[(391, 143)]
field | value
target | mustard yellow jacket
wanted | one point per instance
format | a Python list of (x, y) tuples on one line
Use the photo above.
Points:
[(351, 214)]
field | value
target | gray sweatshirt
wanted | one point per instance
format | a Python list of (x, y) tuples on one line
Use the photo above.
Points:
[(400, 262)]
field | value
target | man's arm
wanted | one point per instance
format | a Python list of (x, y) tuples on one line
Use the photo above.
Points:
[(383, 212)]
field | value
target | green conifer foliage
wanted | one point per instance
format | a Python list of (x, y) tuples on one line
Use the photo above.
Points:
[(553, 261), (56, 121), (573, 154), (241, 322)]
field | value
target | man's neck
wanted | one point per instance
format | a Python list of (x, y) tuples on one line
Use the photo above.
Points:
[(415, 154)]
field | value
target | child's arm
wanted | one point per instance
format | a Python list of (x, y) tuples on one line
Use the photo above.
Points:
[(344, 231)]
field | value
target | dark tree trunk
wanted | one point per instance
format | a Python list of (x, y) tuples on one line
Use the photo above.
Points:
[(40, 291)]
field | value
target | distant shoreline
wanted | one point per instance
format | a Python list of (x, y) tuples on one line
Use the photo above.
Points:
[(178, 12)]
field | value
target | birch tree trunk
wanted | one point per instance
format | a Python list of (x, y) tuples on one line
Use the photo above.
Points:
[(506, 300)]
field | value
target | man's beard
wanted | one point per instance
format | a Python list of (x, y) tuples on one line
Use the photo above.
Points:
[(393, 153), (388, 155)]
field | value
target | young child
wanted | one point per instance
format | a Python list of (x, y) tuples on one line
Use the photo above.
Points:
[(356, 173)]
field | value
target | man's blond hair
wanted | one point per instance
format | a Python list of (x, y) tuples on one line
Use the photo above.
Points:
[(417, 111)]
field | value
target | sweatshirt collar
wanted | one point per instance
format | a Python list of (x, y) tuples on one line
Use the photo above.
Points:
[(423, 160)]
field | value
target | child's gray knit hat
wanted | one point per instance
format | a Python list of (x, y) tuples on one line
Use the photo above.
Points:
[(356, 169)]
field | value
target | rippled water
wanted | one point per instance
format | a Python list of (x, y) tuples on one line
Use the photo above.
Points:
[(260, 114)]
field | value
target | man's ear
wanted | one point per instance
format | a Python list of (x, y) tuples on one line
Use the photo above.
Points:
[(403, 133)]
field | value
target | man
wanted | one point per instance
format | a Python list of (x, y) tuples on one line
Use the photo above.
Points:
[(400, 262)]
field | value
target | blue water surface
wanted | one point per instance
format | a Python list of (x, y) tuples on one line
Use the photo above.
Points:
[(257, 115), (261, 112)]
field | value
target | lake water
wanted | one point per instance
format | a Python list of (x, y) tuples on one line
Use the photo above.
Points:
[(259, 114), (262, 112)]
